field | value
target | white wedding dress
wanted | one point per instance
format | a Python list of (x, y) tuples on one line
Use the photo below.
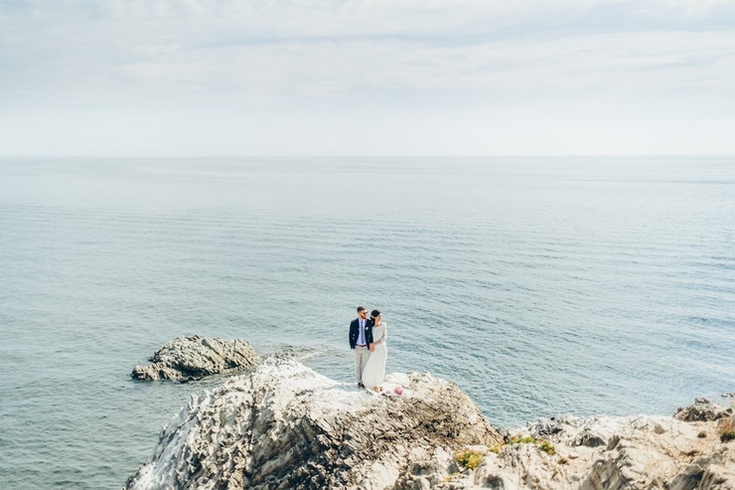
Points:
[(374, 372)]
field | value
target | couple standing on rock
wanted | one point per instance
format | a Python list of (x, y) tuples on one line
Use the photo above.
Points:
[(367, 339)]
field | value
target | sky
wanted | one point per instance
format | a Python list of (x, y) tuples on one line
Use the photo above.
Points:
[(196, 78)]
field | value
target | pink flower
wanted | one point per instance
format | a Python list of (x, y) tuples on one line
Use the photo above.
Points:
[(398, 390)]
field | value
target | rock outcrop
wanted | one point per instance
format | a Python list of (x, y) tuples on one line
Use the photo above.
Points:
[(285, 426), (193, 357), (702, 410), (644, 452)]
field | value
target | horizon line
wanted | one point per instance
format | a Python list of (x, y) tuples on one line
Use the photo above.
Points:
[(489, 155)]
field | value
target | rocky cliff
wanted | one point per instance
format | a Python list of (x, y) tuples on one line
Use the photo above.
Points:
[(285, 426), (616, 453)]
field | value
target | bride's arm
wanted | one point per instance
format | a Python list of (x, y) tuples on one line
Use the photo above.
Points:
[(384, 337)]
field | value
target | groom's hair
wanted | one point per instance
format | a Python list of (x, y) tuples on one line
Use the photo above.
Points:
[(360, 308)]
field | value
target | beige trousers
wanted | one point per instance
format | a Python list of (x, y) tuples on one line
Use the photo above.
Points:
[(361, 358)]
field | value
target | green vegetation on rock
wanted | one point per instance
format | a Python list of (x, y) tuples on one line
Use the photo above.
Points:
[(469, 458)]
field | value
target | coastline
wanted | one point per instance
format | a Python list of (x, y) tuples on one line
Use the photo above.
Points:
[(286, 426)]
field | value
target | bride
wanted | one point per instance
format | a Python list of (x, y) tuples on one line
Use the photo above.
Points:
[(374, 373)]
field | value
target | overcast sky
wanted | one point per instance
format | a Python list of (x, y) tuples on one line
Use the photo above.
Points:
[(372, 77)]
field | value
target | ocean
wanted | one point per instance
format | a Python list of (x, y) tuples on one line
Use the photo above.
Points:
[(540, 285)]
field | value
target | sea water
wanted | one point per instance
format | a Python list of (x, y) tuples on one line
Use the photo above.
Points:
[(539, 285)]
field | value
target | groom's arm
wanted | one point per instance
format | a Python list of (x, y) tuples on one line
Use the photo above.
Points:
[(351, 335)]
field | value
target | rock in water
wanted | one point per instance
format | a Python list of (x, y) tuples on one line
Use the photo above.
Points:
[(702, 410), (193, 357), (285, 426)]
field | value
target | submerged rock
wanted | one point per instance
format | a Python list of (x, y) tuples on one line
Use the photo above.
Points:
[(193, 357), (285, 426)]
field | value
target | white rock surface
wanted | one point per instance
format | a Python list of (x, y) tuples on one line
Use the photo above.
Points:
[(285, 426), (644, 452)]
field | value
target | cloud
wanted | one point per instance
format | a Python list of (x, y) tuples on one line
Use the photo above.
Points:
[(274, 46), (209, 57)]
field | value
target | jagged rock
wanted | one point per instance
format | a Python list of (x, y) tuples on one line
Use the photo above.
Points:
[(707, 472), (641, 453), (285, 426), (702, 410), (544, 427), (590, 439), (193, 357)]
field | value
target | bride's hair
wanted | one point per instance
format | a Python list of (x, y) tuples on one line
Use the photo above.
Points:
[(374, 314)]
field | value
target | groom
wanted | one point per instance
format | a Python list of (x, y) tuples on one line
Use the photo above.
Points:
[(361, 336)]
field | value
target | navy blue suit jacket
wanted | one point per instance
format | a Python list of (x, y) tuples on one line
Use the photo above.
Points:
[(355, 332)]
